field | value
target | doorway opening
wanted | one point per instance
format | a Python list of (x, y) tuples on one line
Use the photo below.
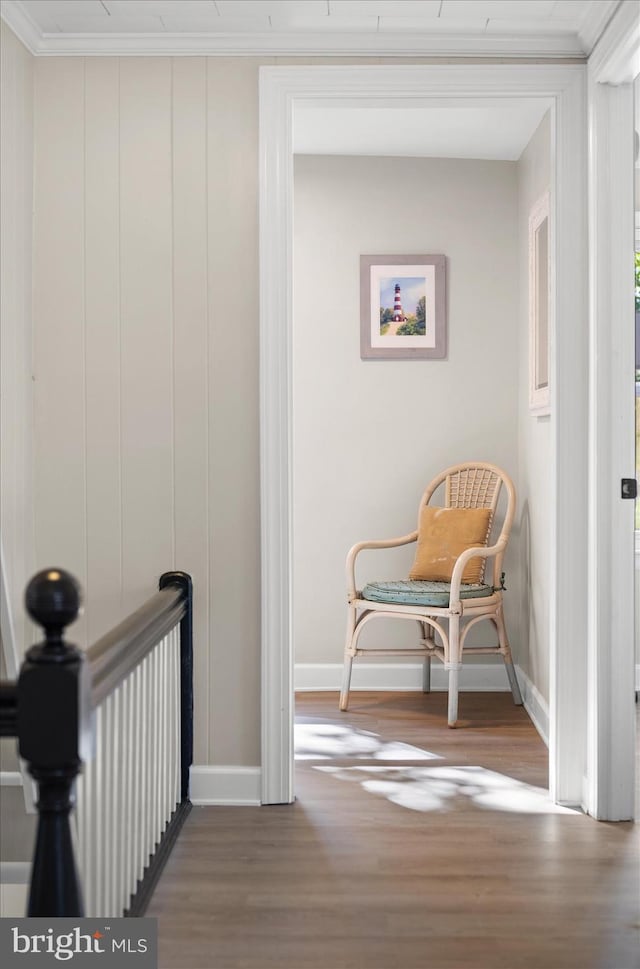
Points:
[(281, 90), (428, 176)]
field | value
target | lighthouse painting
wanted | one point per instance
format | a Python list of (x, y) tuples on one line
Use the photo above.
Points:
[(402, 306)]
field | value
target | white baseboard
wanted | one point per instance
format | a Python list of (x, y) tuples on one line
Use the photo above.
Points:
[(233, 786), (480, 677), (15, 872), (241, 786), (13, 901), (535, 704), (10, 778)]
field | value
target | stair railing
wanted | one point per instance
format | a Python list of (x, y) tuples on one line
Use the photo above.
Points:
[(109, 732)]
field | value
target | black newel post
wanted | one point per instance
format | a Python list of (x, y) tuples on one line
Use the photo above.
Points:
[(183, 579), (53, 711)]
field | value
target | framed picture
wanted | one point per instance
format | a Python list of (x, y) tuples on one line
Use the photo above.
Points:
[(539, 307), (403, 307)]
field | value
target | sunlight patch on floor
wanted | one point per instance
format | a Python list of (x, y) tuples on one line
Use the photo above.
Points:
[(317, 740), (435, 788)]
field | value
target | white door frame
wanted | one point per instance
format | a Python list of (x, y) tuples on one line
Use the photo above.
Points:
[(565, 85), (611, 723)]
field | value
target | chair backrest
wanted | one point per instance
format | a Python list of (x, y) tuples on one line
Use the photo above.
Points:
[(477, 484)]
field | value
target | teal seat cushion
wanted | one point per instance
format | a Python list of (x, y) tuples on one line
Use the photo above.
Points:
[(421, 593)]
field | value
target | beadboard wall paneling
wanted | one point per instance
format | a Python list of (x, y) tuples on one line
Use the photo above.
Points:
[(102, 338), (232, 159), (146, 325), (190, 350), (59, 321), (16, 412), (146, 347)]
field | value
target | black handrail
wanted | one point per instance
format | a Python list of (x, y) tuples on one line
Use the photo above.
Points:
[(113, 657), (49, 711)]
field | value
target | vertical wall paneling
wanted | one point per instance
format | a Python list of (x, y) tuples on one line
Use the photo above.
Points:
[(58, 310), (102, 344), (16, 415), (190, 356), (232, 158), (9, 303), (146, 324), (146, 319)]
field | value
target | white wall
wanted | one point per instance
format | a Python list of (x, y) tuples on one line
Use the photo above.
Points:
[(146, 356), (16, 473), (369, 435), (534, 174)]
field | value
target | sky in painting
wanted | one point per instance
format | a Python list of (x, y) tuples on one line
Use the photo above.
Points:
[(411, 289)]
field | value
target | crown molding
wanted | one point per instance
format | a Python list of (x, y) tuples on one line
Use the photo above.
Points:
[(302, 44), (595, 22), (22, 25), (616, 57)]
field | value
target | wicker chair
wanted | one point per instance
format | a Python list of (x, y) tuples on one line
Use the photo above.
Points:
[(444, 611)]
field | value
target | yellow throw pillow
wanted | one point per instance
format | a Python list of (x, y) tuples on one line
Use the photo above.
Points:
[(443, 534)]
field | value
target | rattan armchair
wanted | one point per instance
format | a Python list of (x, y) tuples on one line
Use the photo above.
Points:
[(444, 611)]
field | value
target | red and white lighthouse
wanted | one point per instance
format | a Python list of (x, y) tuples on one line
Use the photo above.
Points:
[(398, 315)]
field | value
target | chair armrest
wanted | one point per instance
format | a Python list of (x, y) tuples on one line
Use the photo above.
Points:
[(355, 551), (461, 562)]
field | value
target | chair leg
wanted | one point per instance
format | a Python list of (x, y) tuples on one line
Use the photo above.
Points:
[(452, 710), (426, 669), (454, 666), (348, 659), (426, 676), (346, 682), (508, 658)]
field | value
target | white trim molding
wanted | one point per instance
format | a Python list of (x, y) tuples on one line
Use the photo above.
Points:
[(15, 877), (21, 24), (399, 677), (301, 43), (535, 704), (615, 59), (539, 392), (233, 786), (610, 770), (10, 778), (564, 87), (15, 872)]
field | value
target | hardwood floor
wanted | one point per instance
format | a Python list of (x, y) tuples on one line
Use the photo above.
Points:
[(410, 846)]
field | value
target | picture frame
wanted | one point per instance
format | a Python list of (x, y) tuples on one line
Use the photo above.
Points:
[(403, 307), (539, 307)]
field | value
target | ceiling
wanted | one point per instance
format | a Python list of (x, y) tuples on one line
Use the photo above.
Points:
[(491, 129), (555, 28)]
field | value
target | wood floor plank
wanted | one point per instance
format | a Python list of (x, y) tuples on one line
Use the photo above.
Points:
[(453, 861)]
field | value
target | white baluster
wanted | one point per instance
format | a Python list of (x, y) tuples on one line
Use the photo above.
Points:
[(146, 767), (137, 780), (128, 791), (177, 748)]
